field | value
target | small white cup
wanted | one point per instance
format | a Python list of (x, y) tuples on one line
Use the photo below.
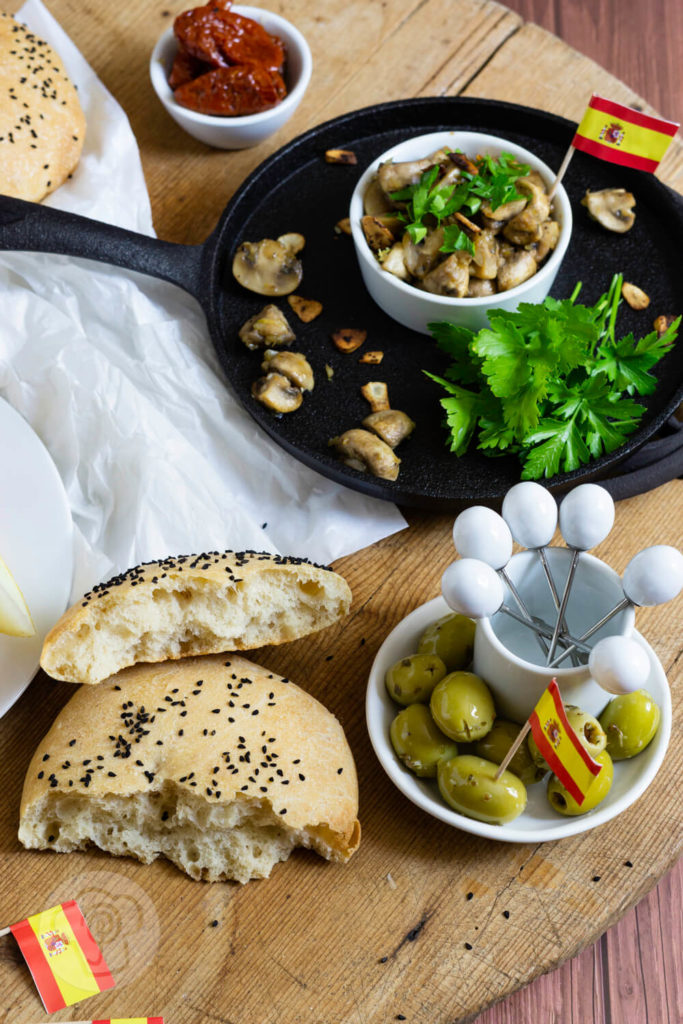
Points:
[(415, 308), (507, 655), (249, 129)]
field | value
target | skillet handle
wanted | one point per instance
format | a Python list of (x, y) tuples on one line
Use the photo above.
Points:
[(30, 227)]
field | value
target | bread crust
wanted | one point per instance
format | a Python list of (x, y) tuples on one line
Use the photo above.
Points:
[(42, 126), (189, 605), (217, 728)]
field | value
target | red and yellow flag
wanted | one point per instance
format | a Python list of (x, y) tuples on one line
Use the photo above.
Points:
[(623, 135), (64, 959), (560, 745)]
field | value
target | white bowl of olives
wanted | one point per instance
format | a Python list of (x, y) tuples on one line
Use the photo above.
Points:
[(516, 811)]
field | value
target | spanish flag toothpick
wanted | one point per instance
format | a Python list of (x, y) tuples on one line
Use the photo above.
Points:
[(61, 954), (620, 134), (559, 744)]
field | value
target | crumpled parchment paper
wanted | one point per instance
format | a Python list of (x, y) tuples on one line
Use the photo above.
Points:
[(117, 375)]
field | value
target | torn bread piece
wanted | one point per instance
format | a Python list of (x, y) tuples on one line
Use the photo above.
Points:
[(189, 605), (212, 762)]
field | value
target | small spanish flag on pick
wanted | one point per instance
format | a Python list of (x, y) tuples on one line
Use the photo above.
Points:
[(64, 959), (560, 745), (622, 135)]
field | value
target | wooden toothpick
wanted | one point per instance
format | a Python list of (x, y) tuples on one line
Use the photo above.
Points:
[(562, 171), (512, 751)]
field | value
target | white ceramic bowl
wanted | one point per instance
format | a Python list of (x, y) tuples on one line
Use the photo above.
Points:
[(249, 130), (415, 308), (538, 822)]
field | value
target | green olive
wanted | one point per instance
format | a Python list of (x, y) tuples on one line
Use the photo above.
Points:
[(495, 745), (452, 638), (630, 722), (412, 679), (417, 741), (589, 732), (462, 706), (563, 802), (467, 784)]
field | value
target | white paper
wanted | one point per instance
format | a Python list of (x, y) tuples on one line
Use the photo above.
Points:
[(117, 375)]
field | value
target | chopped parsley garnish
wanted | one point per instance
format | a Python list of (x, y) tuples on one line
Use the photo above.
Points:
[(494, 183), (550, 382)]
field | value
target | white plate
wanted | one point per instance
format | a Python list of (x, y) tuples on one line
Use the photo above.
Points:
[(36, 542), (539, 822)]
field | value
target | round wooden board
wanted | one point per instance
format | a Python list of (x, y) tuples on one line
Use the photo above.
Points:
[(387, 936)]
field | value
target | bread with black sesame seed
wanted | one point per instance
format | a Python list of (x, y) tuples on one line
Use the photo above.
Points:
[(42, 125), (213, 762), (189, 605)]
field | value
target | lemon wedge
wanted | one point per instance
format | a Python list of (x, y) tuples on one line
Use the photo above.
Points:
[(15, 618)]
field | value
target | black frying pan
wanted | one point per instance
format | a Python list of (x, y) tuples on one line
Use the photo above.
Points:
[(296, 190)]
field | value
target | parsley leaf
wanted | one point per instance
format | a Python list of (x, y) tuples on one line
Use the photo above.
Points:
[(550, 382), (454, 238)]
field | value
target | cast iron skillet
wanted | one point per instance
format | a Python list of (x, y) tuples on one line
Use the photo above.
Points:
[(296, 190)]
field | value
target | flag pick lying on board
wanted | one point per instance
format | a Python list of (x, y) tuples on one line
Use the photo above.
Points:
[(117, 1020), (617, 133), (64, 959), (559, 745)]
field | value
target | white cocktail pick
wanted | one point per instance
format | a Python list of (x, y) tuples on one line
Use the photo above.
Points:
[(471, 587), (482, 534), (586, 517), (619, 664), (653, 576), (531, 513)]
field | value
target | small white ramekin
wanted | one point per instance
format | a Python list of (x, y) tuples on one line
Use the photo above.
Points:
[(250, 129), (415, 308)]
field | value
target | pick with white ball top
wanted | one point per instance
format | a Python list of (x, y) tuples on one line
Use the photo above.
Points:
[(619, 664), (481, 533), (530, 512), (653, 576), (471, 587), (586, 517)]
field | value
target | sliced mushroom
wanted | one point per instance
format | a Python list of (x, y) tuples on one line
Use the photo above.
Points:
[(364, 451), (480, 287), (395, 176), (375, 200), (421, 258), (662, 323), (394, 262), (463, 163), (515, 270), (377, 234), (277, 393), (502, 213), (292, 241), (452, 277), (550, 234), (267, 329), (343, 226), (292, 365), (635, 296), (611, 207), (268, 267), (374, 358), (392, 425), (524, 228), (485, 260), (377, 394)]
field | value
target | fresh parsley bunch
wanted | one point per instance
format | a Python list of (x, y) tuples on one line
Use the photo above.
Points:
[(494, 183), (549, 382)]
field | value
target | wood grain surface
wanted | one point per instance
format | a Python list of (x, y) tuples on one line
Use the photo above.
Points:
[(385, 938)]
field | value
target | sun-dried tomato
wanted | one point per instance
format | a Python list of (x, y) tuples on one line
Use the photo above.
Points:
[(186, 68), (233, 91), (221, 38)]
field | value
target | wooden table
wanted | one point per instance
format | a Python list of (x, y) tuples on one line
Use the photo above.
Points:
[(384, 938)]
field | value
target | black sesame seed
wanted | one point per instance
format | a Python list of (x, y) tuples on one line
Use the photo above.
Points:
[(214, 924), (468, 945), (595, 878), (41, 774), (506, 914), (470, 895), (628, 864), (383, 959)]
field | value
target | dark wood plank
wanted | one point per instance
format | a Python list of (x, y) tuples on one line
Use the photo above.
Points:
[(639, 43)]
